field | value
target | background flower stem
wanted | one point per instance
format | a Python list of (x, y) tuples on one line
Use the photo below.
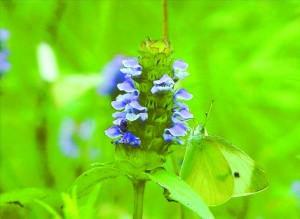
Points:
[(165, 19), (139, 188)]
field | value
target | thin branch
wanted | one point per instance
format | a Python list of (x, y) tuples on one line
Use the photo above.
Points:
[(165, 19)]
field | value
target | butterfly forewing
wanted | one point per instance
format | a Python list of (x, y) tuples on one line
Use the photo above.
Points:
[(248, 177), (206, 170)]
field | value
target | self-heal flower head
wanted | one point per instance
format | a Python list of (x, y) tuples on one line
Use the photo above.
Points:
[(156, 118), (4, 52)]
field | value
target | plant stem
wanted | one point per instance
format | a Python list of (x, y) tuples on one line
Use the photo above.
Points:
[(165, 19), (139, 188)]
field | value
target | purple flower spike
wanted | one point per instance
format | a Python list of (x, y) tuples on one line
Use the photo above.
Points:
[(164, 84), (126, 86), (129, 139), (182, 94), (179, 68), (113, 132)]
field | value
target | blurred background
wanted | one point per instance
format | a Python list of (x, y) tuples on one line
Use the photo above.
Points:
[(55, 96)]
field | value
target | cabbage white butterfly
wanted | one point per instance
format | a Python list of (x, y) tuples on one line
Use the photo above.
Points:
[(217, 170)]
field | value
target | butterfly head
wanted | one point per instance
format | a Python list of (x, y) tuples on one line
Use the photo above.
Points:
[(200, 131)]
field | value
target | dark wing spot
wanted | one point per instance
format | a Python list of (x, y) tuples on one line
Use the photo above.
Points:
[(236, 174)]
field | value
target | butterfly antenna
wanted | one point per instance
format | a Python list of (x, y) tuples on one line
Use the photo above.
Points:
[(207, 113)]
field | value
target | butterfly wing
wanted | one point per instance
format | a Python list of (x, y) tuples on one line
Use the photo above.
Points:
[(248, 177), (206, 170)]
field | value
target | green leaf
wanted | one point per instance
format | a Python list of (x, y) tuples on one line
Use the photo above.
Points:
[(180, 191), (86, 181), (50, 209), (91, 208), (21, 197)]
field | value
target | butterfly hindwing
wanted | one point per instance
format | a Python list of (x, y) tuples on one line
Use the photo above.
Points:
[(206, 170), (248, 177)]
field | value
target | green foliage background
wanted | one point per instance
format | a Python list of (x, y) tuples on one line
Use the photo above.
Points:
[(243, 54)]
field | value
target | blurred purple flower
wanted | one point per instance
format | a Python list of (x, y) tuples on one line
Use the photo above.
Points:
[(70, 132), (295, 187), (111, 77), (4, 52), (66, 141)]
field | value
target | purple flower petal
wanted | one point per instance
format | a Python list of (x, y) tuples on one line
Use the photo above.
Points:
[(117, 121), (144, 116), (167, 137), (154, 90), (113, 132), (129, 139), (182, 94), (131, 63), (126, 86), (118, 105), (132, 67), (164, 80), (170, 138), (179, 68), (180, 65), (181, 123), (181, 74), (123, 100), (121, 115), (183, 113), (130, 72), (132, 116), (164, 84), (134, 104), (180, 105), (176, 130)]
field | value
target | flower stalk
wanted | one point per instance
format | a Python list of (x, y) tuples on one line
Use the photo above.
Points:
[(139, 188)]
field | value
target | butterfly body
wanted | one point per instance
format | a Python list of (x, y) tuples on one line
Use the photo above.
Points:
[(217, 170)]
